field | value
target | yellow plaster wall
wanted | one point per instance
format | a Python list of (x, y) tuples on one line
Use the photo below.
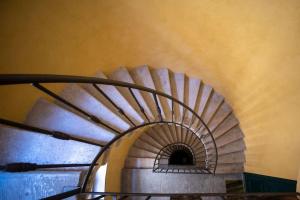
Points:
[(249, 50), (116, 160)]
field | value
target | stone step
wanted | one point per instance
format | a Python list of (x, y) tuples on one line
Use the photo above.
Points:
[(226, 125), (213, 104), (122, 74), (115, 95), (85, 101), (37, 184), (137, 152), (174, 183), (192, 89), (235, 157), (139, 163), (206, 92), (161, 79), (228, 137), (24, 146), (235, 146), (177, 81), (230, 168), (50, 116), (142, 76), (221, 114)]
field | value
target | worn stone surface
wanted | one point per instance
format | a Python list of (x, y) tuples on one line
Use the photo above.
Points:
[(144, 180), (37, 184)]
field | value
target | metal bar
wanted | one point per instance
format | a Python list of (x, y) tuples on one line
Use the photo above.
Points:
[(121, 111), (172, 111), (148, 197), (63, 195), (157, 106), (183, 116), (255, 194), (57, 97), (97, 198), (55, 134), (192, 121), (23, 167), (138, 103)]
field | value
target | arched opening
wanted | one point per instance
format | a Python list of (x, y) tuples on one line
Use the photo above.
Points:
[(181, 157)]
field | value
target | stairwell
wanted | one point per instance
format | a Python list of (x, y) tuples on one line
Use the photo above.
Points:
[(94, 115)]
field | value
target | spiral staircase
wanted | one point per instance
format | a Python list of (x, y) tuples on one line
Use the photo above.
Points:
[(65, 136)]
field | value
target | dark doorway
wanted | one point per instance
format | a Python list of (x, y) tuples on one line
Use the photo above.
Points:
[(181, 157)]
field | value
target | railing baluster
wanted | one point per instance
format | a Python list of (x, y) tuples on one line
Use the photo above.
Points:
[(55, 134), (183, 115), (192, 121), (121, 111), (157, 107), (138, 103), (148, 197), (173, 112), (57, 97)]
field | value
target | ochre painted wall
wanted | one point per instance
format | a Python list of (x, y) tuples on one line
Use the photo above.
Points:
[(249, 50), (116, 160)]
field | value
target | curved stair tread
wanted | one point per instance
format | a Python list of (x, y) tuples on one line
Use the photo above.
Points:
[(151, 140), (214, 102), (206, 92), (85, 101), (141, 163), (142, 76), (161, 79), (235, 157), (236, 146), (230, 168), (229, 122), (192, 94), (38, 184), (177, 81), (230, 136), (26, 146), (220, 115), (179, 133), (165, 133), (122, 74), (144, 145), (53, 117), (192, 137), (175, 135), (186, 134), (114, 94), (157, 133), (137, 152)]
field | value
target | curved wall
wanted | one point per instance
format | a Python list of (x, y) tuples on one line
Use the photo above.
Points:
[(248, 50)]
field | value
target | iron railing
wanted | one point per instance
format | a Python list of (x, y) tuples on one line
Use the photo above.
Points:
[(193, 123), (200, 163), (179, 196)]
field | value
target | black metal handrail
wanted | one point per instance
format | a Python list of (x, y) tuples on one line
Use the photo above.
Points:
[(244, 195), (37, 80)]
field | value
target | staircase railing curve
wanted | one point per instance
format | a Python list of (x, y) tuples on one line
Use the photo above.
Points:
[(194, 124)]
